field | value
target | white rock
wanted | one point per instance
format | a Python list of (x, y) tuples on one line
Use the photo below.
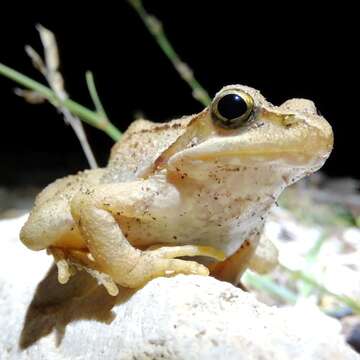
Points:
[(186, 317)]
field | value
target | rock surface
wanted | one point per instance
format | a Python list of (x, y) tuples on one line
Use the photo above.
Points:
[(186, 317)]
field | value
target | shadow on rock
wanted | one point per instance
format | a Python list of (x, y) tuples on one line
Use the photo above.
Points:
[(54, 306)]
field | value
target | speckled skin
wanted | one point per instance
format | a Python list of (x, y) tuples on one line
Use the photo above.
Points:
[(188, 183)]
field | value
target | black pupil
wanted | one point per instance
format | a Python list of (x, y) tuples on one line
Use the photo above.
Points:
[(231, 106)]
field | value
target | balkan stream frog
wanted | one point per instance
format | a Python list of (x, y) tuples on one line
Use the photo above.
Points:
[(196, 187)]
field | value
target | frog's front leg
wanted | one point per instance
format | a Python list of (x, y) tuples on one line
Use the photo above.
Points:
[(94, 213)]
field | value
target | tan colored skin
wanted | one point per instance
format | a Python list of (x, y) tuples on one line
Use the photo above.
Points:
[(183, 188)]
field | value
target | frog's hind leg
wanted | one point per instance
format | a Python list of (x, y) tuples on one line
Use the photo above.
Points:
[(233, 267), (94, 213), (257, 253), (50, 222)]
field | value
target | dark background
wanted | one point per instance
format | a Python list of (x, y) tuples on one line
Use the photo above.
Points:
[(285, 50)]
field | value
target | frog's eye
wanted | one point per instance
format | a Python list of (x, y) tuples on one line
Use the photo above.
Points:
[(232, 108)]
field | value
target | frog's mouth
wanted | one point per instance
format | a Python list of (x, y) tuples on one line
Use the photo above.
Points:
[(301, 145)]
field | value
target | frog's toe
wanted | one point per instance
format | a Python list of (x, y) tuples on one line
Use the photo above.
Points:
[(171, 267), (170, 252), (151, 267), (64, 270), (175, 266)]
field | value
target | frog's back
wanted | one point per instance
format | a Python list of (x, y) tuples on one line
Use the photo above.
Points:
[(135, 154)]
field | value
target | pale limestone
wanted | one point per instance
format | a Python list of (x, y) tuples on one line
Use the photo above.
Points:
[(186, 317)]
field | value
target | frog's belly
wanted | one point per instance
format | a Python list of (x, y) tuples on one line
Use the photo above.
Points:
[(227, 237)]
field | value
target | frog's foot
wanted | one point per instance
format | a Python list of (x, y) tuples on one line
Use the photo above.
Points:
[(69, 261), (160, 261)]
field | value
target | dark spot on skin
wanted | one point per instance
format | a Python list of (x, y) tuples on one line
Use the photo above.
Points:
[(158, 161), (175, 237), (215, 197), (165, 126), (231, 169)]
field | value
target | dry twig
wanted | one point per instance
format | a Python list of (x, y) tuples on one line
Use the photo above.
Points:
[(50, 70)]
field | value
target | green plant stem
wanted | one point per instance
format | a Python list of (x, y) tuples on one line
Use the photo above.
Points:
[(155, 27), (264, 283), (311, 257), (94, 94), (90, 117), (353, 304)]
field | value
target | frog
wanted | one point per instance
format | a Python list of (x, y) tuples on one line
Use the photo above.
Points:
[(188, 196)]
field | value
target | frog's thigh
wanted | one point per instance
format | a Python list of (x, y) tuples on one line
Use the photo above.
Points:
[(49, 224), (93, 212)]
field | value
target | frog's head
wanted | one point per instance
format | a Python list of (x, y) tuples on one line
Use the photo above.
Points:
[(241, 128)]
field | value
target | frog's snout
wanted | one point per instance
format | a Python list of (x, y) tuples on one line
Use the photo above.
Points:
[(312, 120), (300, 136)]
